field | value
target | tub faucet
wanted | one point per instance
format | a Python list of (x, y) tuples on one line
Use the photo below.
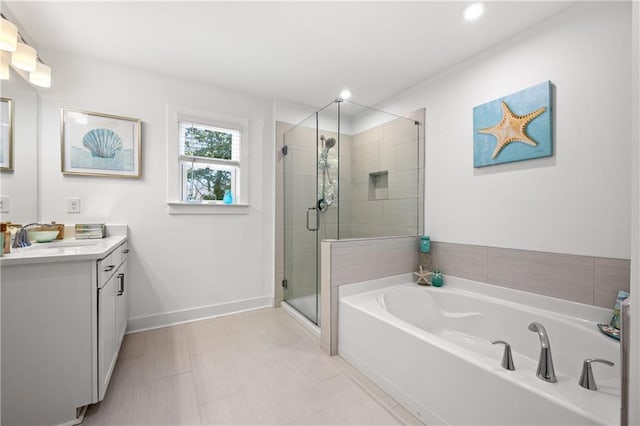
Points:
[(545, 363)]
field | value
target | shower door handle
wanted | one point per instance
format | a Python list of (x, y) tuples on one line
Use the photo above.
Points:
[(317, 219)]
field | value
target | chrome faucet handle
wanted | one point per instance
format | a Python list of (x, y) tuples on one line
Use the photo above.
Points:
[(507, 359), (586, 378)]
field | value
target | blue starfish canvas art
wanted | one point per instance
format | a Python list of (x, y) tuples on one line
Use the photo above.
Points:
[(515, 127)]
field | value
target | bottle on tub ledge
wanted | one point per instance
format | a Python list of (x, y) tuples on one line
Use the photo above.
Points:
[(436, 278), (426, 263), (426, 274)]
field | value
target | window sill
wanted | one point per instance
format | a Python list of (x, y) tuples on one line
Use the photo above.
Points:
[(177, 207)]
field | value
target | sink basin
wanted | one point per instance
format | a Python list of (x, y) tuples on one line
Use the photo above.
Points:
[(64, 244)]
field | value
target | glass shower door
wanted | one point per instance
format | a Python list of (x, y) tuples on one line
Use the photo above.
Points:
[(301, 220)]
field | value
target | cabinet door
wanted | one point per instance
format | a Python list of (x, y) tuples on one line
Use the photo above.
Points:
[(121, 302), (107, 344)]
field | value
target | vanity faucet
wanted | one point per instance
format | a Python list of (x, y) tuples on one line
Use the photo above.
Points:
[(21, 238), (545, 363)]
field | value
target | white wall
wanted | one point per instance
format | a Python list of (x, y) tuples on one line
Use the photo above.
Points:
[(574, 202), (177, 262)]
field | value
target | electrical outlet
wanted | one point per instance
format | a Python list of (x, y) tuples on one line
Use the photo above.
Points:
[(4, 204), (73, 205)]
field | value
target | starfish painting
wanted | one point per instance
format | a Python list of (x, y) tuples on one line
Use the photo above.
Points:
[(512, 128)]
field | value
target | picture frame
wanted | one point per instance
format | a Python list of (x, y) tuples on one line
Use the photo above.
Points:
[(515, 127), (97, 144), (6, 134)]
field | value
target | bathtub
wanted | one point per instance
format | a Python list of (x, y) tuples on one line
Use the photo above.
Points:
[(429, 348)]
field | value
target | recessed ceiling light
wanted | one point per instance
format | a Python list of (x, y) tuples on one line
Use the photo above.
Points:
[(345, 94), (473, 11)]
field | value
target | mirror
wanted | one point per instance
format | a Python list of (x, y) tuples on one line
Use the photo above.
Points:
[(19, 187)]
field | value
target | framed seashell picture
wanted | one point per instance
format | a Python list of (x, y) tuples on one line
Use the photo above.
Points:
[(99, 144)]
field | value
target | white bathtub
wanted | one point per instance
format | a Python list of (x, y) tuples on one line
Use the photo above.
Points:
[(430, 349)]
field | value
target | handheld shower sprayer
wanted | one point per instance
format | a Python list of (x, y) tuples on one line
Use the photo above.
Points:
[(327, 197)]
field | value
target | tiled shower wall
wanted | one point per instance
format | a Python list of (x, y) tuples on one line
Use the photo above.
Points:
[(389, 155)]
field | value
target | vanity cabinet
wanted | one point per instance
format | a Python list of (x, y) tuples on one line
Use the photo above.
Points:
[(112, 313), (63, 318)]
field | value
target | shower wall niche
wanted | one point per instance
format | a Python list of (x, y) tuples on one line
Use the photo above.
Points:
[(344, 172)]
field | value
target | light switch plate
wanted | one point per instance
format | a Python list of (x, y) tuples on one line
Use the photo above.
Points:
[(73, 205), (4, 204)]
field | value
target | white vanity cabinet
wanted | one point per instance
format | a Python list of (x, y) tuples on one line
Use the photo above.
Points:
[(63, 317), (112, 313)]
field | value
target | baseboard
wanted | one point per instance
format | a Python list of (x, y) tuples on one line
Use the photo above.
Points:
[(135, 325)]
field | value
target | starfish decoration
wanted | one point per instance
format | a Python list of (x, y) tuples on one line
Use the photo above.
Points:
[(512, 128), (423, 276)]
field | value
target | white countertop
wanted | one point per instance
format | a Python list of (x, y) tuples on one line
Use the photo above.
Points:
[(67, 250)]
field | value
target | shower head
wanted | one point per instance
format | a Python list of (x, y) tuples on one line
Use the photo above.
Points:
[(327, 143), (330, 143)]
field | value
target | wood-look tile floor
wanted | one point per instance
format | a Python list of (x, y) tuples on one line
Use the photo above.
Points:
[(257, 367)]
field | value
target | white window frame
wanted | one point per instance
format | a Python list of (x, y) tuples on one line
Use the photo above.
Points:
[(175, 161)]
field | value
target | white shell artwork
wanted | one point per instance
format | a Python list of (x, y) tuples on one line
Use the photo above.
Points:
[(103, 143)]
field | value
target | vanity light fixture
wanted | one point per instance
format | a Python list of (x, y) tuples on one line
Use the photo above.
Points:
[(473, 11), (345, 94), (41, 76), (8, 35), (4, 66), (24, 58)]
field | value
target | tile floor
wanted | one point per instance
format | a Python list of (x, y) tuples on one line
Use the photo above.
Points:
[(257, 367)]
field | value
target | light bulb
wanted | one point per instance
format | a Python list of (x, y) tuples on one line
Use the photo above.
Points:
[(41, 76), (24, 58), (8, 35), (345, 94), (473, 11)]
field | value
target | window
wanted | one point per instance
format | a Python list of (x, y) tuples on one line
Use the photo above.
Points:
[(205, 158), (209, 161)]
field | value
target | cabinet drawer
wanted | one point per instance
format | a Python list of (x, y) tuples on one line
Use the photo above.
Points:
[(108, 265), (106, 268)]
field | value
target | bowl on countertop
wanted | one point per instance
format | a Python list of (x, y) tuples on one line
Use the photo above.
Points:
[(43, 236)]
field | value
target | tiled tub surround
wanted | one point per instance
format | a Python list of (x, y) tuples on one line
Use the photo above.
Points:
[(437, 343), (584, 279)]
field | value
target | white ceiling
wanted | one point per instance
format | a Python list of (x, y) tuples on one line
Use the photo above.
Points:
[(305, 52)]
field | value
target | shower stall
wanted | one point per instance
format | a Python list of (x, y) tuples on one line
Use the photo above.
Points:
[(348, 171)]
